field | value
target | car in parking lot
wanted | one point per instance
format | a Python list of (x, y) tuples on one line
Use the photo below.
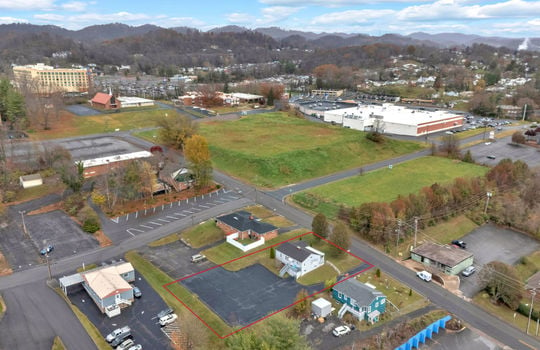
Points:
[(136, 347), (165, 320), (459, 243), (491, 157), (120, 339), (119, 331), (341, 330), (165, 312), (468, 271), (198, 258), (47, 249), (126, 344), (137, 292)]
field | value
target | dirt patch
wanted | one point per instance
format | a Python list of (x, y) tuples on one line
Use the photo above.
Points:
[(5, 269), (102, 238), (47, 208)]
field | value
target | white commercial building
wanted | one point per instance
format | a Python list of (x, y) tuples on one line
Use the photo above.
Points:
[(129, 101), (391, 119)]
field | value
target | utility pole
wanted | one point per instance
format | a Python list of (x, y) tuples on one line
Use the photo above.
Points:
[(397, 238), (22, 212), (415, 229), (48, 265), (533, 293), (488, 196)]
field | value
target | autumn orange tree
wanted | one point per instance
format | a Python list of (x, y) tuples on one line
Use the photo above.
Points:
[(197, 154)]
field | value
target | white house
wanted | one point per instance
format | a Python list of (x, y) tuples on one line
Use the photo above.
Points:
[(298, 258)]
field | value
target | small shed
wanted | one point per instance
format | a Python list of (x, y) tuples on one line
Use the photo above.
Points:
[(33, 180), (321, 307)]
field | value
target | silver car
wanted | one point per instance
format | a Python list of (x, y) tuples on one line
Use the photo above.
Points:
[(468, 271)]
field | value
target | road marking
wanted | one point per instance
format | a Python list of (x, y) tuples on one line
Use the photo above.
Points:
[(154, 223), (148, 227), (180, 214), (196, 209), (530, 346), (187, 211), (164, 220), (134, 229), (212, 204), (127, 217), (172, 217), (136, 215), (220, 201), (115, 219), (204, 206)]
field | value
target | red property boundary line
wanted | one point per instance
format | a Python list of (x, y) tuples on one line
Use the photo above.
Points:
[(275, 312)]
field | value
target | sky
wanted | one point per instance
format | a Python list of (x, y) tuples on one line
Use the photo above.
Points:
[(507, 18)]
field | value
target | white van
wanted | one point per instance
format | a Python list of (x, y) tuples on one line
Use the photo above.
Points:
[(197, 258), (426, 276)]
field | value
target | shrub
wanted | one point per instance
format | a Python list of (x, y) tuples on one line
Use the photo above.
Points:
[(91, 225), (375, 137)]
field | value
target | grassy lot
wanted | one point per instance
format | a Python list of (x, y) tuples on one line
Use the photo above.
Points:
[(148, 135), (273, 149), (528, 265), (26, 194), (259, 211), (321, 274), (72, 125), (157, 278), (165, 240), (58, 344), (203, 234), (483, 300), (86, 268), (397, 293), (384, 185), (226, 252), (278, 221)]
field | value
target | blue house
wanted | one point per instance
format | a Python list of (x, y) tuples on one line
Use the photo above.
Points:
[(361, 300)]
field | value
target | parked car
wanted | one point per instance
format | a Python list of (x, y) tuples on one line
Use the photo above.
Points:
[(468, 271), (137, 292), (136, 347), (459, 243), (165, 312), (47, 249), (126, 344), (197, 258), (341, 330), (165, 320), (120, 339), (424, 275), (491, 156), (114, 334)]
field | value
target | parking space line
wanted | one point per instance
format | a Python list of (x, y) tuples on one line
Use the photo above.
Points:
[(196, 209), (204, 206), (134, 229), (115, 219), (212, 204), (148, 227), (154, 223), (163, 220), (172, 217), (187, 211), (180, 214)]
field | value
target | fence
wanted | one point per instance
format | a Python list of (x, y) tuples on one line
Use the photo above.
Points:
[(231, 239), (426, 333)]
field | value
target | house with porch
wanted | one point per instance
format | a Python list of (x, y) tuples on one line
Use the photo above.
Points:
[(361, 300), (246, 225), (109, 286), (298, 258)]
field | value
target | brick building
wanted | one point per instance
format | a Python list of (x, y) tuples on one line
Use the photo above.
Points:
[(247, 226)]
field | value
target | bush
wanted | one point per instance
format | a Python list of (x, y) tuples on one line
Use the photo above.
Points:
[(375, 137), (89, 219), (73, 204), (525, 309)]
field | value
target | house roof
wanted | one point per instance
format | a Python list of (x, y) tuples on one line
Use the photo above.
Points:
[(31, 177), (447, 255), (358, 291), (243, 221), (298, 250), (107, 281), (101, 98)]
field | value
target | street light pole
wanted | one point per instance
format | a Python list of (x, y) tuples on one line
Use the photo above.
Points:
[(48, 265), (22, 212), (488, 194)]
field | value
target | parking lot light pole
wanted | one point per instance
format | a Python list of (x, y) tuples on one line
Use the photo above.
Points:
[(48, 265), (22, 212), (488, 196)]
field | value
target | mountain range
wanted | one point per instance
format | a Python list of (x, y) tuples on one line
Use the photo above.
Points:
[(106, 32)]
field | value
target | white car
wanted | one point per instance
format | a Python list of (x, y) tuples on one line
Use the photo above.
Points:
[(468, 271), (165, 320), (341, 330), (136, 347), (119, 331), (424, 275)]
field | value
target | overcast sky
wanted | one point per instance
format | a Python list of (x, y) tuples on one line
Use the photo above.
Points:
[(513, 18)]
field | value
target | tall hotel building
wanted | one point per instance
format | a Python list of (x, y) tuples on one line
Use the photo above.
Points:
[(45, 79)]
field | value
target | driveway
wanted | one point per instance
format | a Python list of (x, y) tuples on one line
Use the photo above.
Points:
[(245, 296), (81, 110), (140, 316), (489, 243), (467, 339)]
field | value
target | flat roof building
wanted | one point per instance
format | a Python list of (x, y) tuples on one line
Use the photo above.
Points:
[(447, 258), (46, 79)]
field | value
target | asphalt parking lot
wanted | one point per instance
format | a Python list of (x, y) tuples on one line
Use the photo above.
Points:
[(465, 340), (58, 229), (245, 296), (81, 110), (489, 243), (174, 259), (84, 148), (501, 149), (140, 316)]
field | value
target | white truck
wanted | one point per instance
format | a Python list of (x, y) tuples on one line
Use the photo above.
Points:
[(426, 276)]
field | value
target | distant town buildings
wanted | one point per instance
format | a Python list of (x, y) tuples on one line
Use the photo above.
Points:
[(46, 79)]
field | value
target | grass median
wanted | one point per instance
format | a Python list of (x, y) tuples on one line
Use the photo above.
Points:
[(157, 278)]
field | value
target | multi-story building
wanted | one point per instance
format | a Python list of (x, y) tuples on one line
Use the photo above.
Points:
[(45, 79)]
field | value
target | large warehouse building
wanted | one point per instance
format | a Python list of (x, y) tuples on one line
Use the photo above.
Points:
[(391, 119)]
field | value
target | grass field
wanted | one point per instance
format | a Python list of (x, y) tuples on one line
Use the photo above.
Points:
[(384, 185), (203, 234), (273, 149), (148, 135), (157, 278), (71, 125)]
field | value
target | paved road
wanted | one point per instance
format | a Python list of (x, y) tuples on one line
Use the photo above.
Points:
[(35, 315)]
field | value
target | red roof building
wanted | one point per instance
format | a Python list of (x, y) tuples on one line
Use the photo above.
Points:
[(104, 101)]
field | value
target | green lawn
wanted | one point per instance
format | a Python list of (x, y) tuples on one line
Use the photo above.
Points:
[(203, 234), (273, 149), (157, 278), (321, 274), (128, 120), (528, 265), (226, 252), (165, 240), (384, 185), (58, 344), (148, 135)]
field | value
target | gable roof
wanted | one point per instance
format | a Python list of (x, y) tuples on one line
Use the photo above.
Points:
[(358, 291), (243, 221), (298, 250), (101, 98), (445, 254), (107, 281)]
